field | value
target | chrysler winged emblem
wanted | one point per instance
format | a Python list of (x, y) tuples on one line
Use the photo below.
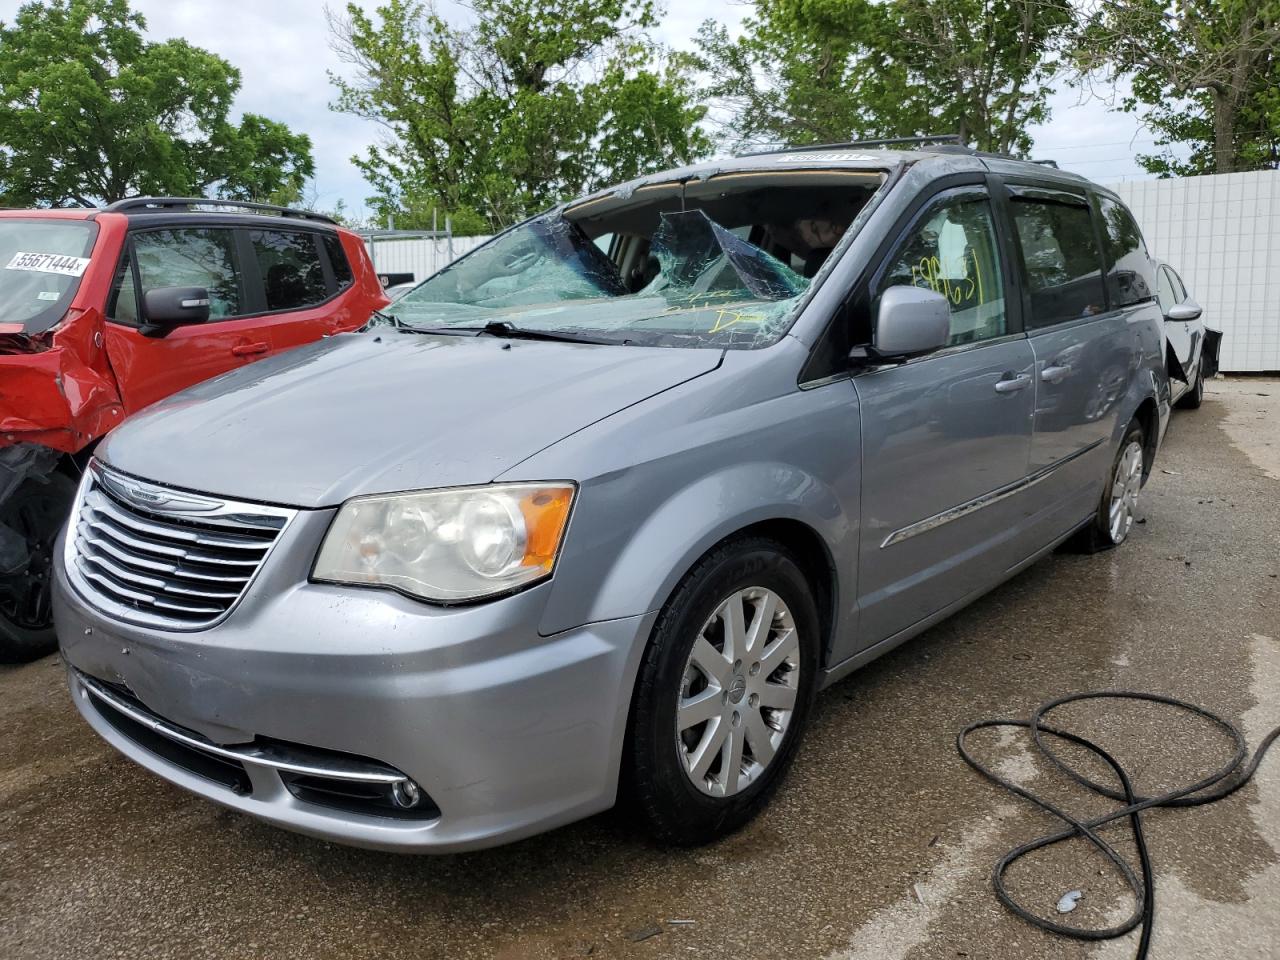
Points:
[(149, 497)]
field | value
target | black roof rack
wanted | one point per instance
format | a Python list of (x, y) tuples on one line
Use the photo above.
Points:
[(191, 205)]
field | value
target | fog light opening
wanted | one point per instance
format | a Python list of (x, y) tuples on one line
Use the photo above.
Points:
[(406, 794)]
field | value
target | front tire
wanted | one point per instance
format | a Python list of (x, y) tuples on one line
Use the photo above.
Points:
[(723, 692), (36, 510), (1117, 511)]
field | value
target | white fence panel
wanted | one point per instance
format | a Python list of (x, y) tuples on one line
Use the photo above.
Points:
[(420, 256), (1220, 232)]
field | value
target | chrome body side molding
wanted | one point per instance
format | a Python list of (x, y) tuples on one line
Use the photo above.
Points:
[(986, 500)]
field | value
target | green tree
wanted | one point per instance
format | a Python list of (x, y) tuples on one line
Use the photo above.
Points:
[(535, 102), (90, 111), (808, 71), (1203, 74)]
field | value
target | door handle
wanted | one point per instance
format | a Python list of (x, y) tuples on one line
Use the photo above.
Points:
[(249, 349), (1056, 374), (1013, 384)]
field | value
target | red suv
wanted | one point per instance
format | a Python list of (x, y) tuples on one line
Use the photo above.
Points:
[(103, 312)]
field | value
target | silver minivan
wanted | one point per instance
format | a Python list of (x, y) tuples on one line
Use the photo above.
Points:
[(607, 501)]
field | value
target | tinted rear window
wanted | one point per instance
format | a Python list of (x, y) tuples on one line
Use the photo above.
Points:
[(1130, 275), (290, 267), (1061, 258)]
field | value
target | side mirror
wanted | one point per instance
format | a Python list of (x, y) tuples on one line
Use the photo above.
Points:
[(1184, 312), (169, 307), (910, 322)]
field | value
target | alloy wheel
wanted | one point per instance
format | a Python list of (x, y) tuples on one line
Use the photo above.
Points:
[(1125, 488), (738, 692)]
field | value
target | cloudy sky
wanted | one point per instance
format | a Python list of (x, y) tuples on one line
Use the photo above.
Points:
[(282, 50)]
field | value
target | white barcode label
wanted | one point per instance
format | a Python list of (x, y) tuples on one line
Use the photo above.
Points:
[(49, 263)]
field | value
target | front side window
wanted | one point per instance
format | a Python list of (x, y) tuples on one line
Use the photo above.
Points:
[(1129, 267), (953, 251), (191, 257), (1167, 294), (1061, 260), (289, 264), (41, 263), (122, 307)]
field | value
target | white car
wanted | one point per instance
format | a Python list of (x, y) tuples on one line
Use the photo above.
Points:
[(1191, 348), (398, 290)]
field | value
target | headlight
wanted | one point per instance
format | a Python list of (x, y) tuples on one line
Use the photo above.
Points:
[(448, 545)]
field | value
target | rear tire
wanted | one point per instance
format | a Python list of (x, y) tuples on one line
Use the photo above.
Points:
[(723, 693), (1116, 512), (37, 510), (1192, 399)]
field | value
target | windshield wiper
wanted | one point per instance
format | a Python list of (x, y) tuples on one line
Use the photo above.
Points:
[(390, 318), (494, 328), (446, 331), (504, 328)]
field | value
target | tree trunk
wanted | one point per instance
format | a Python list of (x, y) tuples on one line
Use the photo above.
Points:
[(1224, 122)]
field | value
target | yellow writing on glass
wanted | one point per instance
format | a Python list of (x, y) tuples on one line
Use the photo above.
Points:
[(729, 318), (968, 287), (695, 301)]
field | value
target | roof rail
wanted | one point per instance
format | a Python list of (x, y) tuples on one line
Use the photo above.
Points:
[(935, 138), (940, 139), (191, 205)]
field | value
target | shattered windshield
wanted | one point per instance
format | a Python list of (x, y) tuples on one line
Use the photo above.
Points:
[(41, 262), (692, 282)]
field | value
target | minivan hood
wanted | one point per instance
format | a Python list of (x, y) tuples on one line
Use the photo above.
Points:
[(381, 412)]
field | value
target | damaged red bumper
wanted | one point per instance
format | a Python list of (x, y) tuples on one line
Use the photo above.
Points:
[(56, 389)]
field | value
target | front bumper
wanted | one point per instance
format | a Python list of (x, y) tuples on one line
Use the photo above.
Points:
[(507, 732)]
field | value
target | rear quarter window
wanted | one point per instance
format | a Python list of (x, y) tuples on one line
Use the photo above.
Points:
[(1130, 273), (338, 260)]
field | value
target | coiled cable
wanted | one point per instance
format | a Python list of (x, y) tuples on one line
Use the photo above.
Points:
[(1223, 782)]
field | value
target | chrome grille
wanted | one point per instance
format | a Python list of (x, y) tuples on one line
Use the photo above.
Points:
[(153, 555)]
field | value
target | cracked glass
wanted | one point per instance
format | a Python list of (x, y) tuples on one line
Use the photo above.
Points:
[(697, 284)]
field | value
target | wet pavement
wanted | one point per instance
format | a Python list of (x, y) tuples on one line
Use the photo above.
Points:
[(879, 845)]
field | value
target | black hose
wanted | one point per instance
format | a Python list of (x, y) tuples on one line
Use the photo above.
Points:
[(1221, 783)]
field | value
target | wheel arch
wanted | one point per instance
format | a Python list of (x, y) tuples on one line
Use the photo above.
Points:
[(813, 555), (1148, 417), (811, 552), (652, 554)]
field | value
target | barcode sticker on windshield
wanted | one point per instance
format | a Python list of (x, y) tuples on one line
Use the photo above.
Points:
[(49, 263)]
